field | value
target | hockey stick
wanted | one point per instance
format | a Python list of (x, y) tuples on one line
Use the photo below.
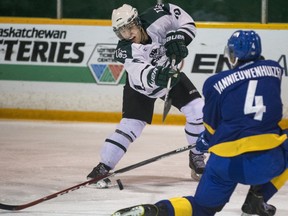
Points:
[(78, 186), (167, 100)]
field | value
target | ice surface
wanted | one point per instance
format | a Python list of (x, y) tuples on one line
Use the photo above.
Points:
[(38, 158)]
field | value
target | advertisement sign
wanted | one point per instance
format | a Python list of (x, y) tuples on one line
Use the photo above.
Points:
[(71, 67)]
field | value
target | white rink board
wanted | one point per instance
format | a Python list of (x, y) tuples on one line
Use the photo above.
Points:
[(108, 98)]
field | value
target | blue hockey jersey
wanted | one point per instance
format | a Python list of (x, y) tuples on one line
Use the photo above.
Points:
[(243, 108)]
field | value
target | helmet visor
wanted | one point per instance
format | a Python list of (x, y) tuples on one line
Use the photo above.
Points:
[(230, 55), (124, 31), (228, 52)]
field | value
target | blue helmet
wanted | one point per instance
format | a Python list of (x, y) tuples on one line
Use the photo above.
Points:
[(243, 46)]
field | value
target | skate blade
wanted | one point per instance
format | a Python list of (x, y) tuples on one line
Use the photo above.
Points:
[(245, 214), (195, 176), (102, 184), (132, 211)]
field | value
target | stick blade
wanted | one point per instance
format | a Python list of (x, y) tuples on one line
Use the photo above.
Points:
[(8, 207), (167, 107)]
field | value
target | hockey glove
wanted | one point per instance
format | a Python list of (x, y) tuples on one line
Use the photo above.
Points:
[(175, 46), (160, 76), (202, 143)]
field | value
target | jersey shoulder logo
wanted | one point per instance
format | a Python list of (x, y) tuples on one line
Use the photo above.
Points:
[(120, 54)]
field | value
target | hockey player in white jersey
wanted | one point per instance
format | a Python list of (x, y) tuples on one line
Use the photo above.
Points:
[(148, 43)]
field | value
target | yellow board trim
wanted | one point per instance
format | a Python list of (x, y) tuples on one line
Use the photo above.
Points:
[(248, 144), (98, 22), (82, 116), (181, 206), (49, 21), (238, 25)]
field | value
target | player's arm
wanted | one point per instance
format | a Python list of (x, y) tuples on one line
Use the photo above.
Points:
[(182, 23), (143, 74), (181, 31), (211, 109), (211, 116), (149, 76)]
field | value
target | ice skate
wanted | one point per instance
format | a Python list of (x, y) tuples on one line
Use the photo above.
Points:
[(100, 170), (197, 165), (255, 205), (139, 210)]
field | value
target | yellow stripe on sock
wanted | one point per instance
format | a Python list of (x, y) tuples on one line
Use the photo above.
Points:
[(280, 180), (181, 206)]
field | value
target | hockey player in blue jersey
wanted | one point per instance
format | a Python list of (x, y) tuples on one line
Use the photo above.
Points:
[(242, 112)]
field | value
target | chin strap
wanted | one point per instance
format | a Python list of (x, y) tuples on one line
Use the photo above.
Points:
[(233, 64), (144, 36)]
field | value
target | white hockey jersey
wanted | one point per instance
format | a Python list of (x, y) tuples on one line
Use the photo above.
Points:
[(139, 59)]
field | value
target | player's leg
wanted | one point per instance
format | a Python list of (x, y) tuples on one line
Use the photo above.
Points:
[(258, 196), (251, 168), (193, 127), (137, 111), (140, 210), (173, 207), (272, 187), (177, 206), (254, 203), (187, 99), (116, 145), (211, 195)]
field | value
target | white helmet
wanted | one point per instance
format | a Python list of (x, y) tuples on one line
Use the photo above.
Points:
[(123, 16)]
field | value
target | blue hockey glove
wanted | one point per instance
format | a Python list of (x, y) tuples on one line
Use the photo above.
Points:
[(202, 143), (160, 76), (175, 46)]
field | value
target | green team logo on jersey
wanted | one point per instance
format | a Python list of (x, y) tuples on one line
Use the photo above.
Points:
[(104, 67)]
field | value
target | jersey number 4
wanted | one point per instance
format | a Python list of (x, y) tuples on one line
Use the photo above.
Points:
[(253, 103)]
